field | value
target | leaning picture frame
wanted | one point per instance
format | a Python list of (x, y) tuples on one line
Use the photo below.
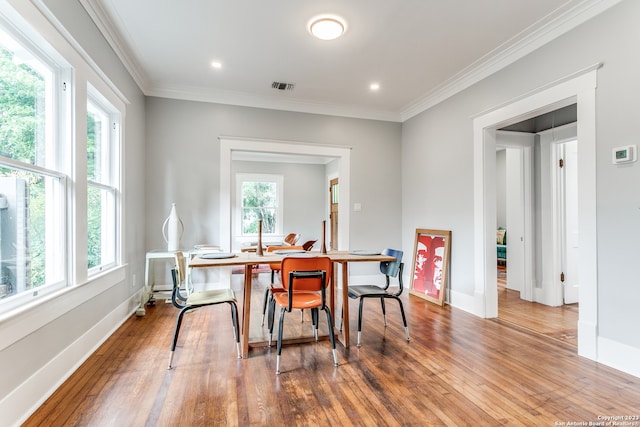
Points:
[(430, 271)]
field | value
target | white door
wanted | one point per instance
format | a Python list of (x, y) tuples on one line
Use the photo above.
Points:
[(515, 220), (569, 221)]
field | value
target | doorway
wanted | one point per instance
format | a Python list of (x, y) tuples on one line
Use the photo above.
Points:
[(522, 295), (578, 88), (228, 145)]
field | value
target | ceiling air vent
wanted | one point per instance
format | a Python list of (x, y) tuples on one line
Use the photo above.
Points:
[(282, 86)]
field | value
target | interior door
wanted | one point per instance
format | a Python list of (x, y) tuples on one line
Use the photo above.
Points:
[(569, 221), (515, 220), (333, 213)]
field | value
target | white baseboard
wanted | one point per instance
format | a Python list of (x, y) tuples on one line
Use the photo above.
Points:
[(473, 304), (619, 356), (17, 406)]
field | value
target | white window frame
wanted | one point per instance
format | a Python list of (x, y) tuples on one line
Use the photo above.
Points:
[(109, 182), (254, 177), (55, 166)]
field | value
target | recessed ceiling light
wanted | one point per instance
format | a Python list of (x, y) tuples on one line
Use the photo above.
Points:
[(216, 65), (374, 86), (327, 27)]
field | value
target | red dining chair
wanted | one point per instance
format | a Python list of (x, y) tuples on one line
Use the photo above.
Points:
[(275, 267), (305, 280)]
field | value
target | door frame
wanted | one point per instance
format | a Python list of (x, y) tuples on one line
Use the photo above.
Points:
[(228, 144), (331, 178), (577, 88)]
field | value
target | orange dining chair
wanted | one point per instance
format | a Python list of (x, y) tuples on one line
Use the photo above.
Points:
[(305, 280), (196, 300), (291, 239), (361, 292), (275, 267)]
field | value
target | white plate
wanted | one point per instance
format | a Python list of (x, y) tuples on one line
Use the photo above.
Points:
[(303, 254), (217, 255), (363, 252), (204, 247)]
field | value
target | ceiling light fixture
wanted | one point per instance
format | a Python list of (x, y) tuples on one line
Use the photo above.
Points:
[(216, 65), (374, 86), (327, 27)]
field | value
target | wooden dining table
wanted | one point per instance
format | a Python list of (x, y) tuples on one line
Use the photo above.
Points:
[(250, 259)]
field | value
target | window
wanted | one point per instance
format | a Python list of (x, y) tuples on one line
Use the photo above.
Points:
[(259, 197), (102, 160), (33, 191)]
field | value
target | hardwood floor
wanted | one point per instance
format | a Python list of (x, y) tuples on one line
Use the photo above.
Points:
[(558, 323), (458, 369)]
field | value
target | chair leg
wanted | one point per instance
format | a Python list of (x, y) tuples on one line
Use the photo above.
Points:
[(331, 336), (314, 321), (175, 334), (270, 318), (236, 329), (384, 312), (359, 322), (264, 303), (279, 345), (404, 319)]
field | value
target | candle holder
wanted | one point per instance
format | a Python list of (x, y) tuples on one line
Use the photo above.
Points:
[(259, 251), (323, 246)]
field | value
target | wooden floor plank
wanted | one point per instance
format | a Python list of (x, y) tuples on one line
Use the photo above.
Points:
[(457, 369)]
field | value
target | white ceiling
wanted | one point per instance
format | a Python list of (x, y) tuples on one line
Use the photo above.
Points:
[(419, 51)]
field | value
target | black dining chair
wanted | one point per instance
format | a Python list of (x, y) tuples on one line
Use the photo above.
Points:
[(389, 269)]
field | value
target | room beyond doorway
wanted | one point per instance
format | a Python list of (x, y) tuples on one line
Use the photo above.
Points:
[(556, 323)]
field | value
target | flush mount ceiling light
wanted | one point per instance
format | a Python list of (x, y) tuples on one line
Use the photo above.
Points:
[(327, 27)]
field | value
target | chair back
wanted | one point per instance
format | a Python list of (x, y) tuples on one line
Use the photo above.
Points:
[(391, 268), (291, 239), (308, 245), (292, 265), (181, 267), (178, 274)]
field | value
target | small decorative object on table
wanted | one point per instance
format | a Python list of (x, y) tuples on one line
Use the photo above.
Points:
[(174, 229), (259, 250), (323, 246)]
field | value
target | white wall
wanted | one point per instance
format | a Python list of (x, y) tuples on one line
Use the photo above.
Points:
[(183, 146), (438, 152), (44, 344)]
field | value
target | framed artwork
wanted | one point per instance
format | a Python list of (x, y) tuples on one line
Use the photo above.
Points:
[(431, 264)]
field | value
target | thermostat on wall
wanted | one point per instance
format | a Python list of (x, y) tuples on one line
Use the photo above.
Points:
[(626, 154)]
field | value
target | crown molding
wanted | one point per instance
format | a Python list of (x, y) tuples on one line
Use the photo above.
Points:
[(119, 46), (537, 35)]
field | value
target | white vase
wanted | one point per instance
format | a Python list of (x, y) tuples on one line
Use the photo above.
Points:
[(174, 229)]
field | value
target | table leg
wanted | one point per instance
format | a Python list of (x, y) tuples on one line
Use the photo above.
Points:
[(345, 304), (246, 310)]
